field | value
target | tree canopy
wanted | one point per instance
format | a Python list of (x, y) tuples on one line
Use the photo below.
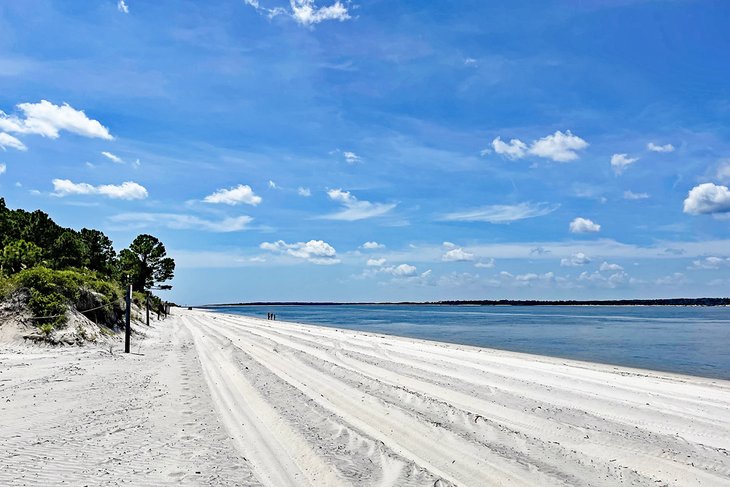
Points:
[(146, 263)]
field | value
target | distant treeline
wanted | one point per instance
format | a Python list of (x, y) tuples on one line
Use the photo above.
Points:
[(510, 302)]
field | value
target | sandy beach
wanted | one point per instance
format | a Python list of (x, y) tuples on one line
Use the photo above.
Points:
[(213, 399)]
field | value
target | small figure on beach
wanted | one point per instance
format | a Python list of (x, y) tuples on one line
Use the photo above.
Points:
[(268, 316)]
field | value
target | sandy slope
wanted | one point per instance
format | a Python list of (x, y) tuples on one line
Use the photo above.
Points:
[(226, 400)]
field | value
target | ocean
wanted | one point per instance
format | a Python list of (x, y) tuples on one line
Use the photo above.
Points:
[(685, 340)]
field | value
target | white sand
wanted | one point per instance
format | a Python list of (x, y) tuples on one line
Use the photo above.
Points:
[(226, 400)]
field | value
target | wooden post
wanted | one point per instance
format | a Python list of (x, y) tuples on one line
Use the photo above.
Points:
[(128, 320), (147, 304)]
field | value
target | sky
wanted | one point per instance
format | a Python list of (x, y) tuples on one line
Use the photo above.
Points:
[(320, 150)]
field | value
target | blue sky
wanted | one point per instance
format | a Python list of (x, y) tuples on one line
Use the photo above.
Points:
[(416, 150)]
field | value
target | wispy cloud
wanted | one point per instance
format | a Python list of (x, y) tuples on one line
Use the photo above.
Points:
[(372, 245), (126, 191), (122, 7), (112, 157), (306, 192), (660, 148), (355, 209), (502, 213), (630, 195), (351, 157), (178, 221), (7, 140)]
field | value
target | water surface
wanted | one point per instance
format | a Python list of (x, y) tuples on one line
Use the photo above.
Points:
[(686, 340)]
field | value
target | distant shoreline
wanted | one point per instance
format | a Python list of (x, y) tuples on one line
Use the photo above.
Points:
[(502, 302)]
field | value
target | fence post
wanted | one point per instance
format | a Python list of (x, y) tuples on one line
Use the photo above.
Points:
[(127, 320)]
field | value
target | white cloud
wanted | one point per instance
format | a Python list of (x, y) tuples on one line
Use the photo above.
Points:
[(619, 162), (355, 209), (126, 191), (372, 245), (233, 196), (710, 263), (559, 147), (112, 157), (457, 255), (304, 12), (351, 157), (123, 7), (605, 266), (660, 148), (489, 264), (470, 61), (3, 168), (306, 192), (707, 198), (630, 195), (614, 280), (723, 172), (273, 185), (402, 270), (7, 140), (502, 213), (46, 119), (375, 262), (315, 251), (577, 259), (584, 225), (177, 221), (516, 149)]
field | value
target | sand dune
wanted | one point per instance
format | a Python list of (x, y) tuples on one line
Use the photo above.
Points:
[(226, 400)]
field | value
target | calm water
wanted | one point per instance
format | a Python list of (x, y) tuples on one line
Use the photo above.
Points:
[(687, 340)]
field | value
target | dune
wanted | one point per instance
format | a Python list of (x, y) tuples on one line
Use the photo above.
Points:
[(215, 399)]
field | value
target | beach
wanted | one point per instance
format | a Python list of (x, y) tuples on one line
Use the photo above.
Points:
[(216, 399)]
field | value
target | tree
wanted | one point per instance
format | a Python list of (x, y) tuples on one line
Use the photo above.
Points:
[(145, 262), (19, 255), (100, 255), (68, 250)]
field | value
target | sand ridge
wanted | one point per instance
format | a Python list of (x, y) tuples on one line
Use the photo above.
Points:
[(277, 404)]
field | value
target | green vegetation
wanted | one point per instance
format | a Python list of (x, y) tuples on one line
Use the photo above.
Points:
[(60, 267)]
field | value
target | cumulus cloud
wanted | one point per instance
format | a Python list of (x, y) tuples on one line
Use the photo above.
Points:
[(122, 7), (457, 255), (3, 168), (710, 263), (46, 119), (305, 12), (558, 147), (630, 195), (7, 140), (707, 198), (315, 251), (306, 192), (178, 221), (614, 280), (660, 148), (619, 162), (584, 225), (502, 213), (351, 157), (671, 280), (234, 196), (372, 245), (355, 209), (112, 157), (402, 270), (515, 149), (605, 266), (126, 191), (575, 260), (375, 262)]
